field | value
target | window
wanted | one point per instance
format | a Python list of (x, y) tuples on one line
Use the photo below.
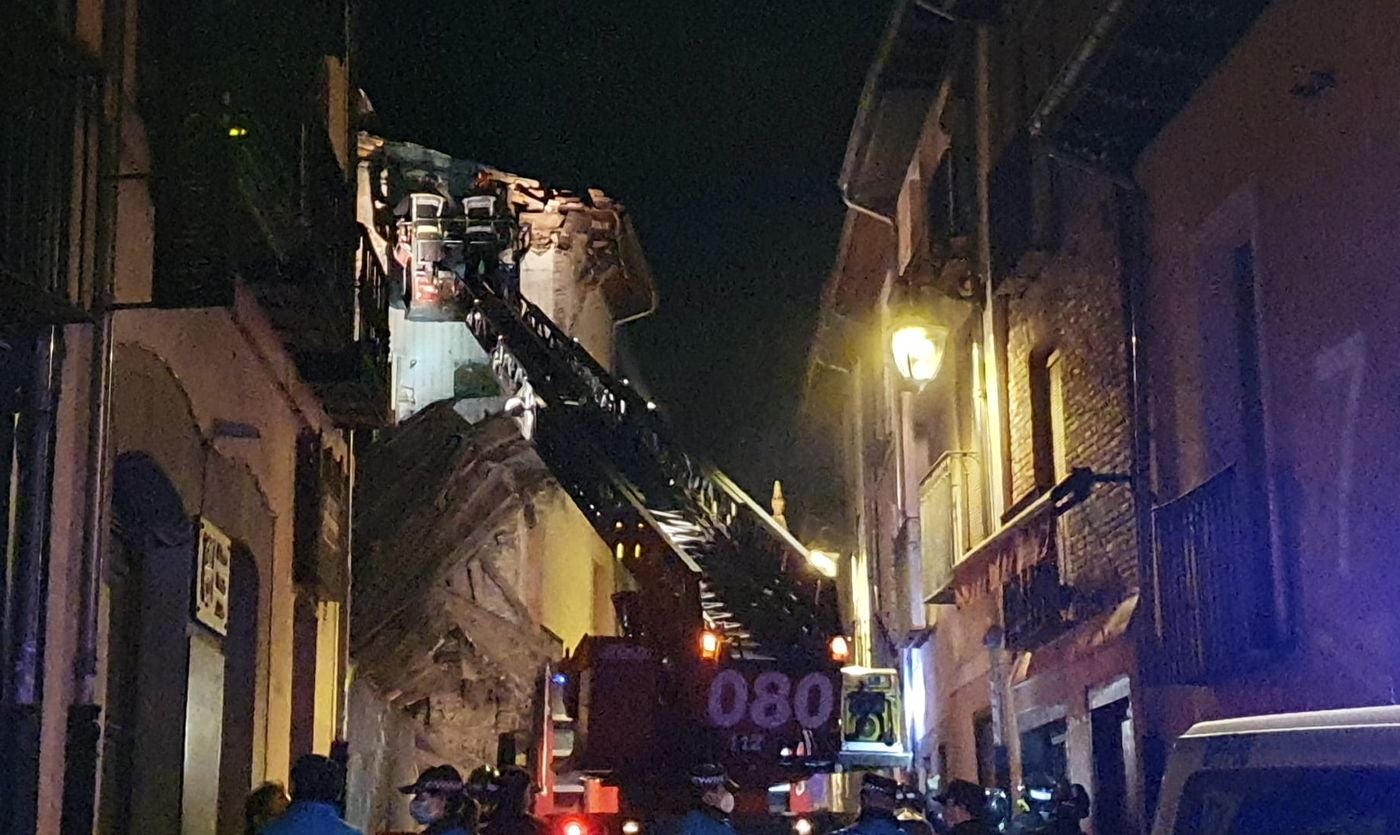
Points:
[(950, 513), (1055, 383), (1231, 395), (952, 193), (1284, 801), (1024, 192), (1043, 751), (984, 741), (1047, 402), (1232, 412)]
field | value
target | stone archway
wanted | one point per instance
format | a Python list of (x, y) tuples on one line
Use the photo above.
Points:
[(157, 482), (151, 571), (184, 703)]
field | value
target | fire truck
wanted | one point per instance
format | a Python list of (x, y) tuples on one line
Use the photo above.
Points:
[(730, 648)]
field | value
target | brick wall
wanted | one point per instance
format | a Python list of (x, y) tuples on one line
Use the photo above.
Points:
[(1074, 306)]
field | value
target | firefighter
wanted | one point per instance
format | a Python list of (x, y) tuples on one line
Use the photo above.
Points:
[(911, 813), (714, 802), (1055, 807), (483, 786), (441, 803), (879, 802), (510, 802), (492, 233), (965, 808)]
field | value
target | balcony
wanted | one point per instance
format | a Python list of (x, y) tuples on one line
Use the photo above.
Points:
[(1035, 603), (1137, 68), (341, 350), (248, 189), (48, 101), (951, 520), (1214, 581)]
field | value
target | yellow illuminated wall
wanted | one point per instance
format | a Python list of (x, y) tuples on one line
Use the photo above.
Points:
[(571, 595)]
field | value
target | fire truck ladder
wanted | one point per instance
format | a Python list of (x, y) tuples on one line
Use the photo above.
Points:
[(615, 456)]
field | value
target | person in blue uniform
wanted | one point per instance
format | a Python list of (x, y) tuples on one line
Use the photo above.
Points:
[(440, 802), (318, 789), (879, 801), (510, 805), (714, 803)]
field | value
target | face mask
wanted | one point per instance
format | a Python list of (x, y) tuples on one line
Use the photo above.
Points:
[(422, 811), (726, 802)]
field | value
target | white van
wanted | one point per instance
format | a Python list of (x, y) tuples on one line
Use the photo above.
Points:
[(1335, 772)]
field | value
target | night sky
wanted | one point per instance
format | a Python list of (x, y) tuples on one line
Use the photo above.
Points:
[(720, 124)]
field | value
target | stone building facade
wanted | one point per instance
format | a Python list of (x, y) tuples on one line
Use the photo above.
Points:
[(991, 508), (200, 349), (1267, 295), (1153, 284)]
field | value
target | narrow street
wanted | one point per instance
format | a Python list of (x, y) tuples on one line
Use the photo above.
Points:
[(923, 416)]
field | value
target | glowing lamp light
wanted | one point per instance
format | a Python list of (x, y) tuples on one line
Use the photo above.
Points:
[(802, 827), (840, 649), (574, 828), (631, 828), (709, 645), (823, 561), (918, 351), (237, 132)]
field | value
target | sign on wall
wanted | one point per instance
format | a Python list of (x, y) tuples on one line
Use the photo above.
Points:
[(211, 577)]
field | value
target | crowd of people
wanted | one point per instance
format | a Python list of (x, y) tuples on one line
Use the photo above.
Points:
[(498, 802), (887, 807), (491, 802)]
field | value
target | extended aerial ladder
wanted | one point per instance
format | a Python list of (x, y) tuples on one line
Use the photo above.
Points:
[(728, 628), (616, 456)]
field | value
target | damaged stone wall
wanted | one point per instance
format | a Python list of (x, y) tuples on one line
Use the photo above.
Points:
[(447, 641), (383, 756)]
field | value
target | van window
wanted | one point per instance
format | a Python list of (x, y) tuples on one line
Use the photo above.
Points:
[(1291, 801)]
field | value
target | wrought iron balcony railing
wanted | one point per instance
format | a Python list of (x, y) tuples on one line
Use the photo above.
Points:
[(1035, 602), (1212, 573), (49, 106)]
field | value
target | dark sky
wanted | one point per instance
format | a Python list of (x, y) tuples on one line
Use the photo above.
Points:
[(720, 124)]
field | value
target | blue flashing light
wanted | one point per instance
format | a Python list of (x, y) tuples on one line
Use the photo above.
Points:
[(559, 679)]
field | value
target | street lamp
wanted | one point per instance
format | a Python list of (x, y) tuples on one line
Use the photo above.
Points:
[(916, 341), (918, 351)]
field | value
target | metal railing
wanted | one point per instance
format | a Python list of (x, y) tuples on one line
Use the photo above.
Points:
[(1035, 602), (1202, 574), (372, 311), (49, 107), (950, 518), (615, 455)]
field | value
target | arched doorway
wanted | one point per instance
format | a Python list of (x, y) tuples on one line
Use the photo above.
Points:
[(184, 696), (150, 573)]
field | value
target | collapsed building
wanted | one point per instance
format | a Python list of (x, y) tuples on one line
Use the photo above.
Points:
[(477, 571)]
